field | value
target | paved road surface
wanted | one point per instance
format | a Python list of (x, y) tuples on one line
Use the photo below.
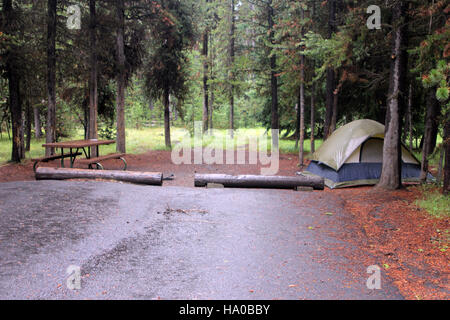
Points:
[(142, 242)]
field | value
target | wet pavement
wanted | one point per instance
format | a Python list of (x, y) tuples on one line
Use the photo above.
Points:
[(146, 242)]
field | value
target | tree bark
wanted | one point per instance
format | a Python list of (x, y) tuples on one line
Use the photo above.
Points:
[(16, 112), (86, 120), (167, 119), (275, 123), (28, 117), (121, 78), (297, 122), (334, 114), (37, 123), (148, 178), (211, 88), (93, 96), (50, 132), (205, 80), (313, 121), (313, 93), (254, 181), (440, 165), (431, 129), (13, 75), (331, 81), (391, 170), (446, 145), (409, 119), (302, 110), (211, 109), (231, 93)]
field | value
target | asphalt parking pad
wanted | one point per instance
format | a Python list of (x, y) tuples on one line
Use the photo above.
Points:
[(150, 242)]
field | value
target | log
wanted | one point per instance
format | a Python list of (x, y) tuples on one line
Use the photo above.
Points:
[(149, 178), (254, 181)]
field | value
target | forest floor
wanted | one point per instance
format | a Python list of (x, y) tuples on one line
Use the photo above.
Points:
[(386, 228)]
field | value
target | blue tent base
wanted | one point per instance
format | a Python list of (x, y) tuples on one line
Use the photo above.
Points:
[(355, 174)]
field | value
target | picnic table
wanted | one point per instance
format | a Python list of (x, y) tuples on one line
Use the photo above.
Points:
[(78, 147)]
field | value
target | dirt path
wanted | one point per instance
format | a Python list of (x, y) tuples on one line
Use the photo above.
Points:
[(155, 161)]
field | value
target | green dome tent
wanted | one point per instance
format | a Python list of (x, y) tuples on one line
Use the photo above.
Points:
[(353, 155)]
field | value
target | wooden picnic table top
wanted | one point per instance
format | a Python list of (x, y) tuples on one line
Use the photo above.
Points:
[(78, 143)]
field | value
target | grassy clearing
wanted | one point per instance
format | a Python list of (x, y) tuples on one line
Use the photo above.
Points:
[(433, 201), (143, 140), (256, 138)]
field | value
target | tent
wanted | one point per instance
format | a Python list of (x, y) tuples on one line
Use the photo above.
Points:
[(353, 155)]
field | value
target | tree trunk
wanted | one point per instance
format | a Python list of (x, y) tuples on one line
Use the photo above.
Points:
[(446, 145), (313, 121), (302, 110), (211, 89), (334, 114), (28, 121), (391, 170), (93, 96), (331, 81), (211, 109), (22, 135), (16, 112), (273, 80), (37, 123), (205, 80), (167, 119), (13, 75), (440, 165), (232, 28), (121, 78), (297, 122), (170, 111), (174, 110), (86, 120), (50, 132), (15, 104), (431, 128), (330, 84), (148, 178), (409, 119), (253, 181), (7, 127), (313, 92)]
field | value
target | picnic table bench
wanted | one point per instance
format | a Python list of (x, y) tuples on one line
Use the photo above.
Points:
[(97, 160), (78, 147), (54, 157)]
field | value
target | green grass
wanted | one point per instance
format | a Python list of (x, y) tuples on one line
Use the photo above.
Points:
[(221, 140), (143, 140), (5, 149), (433, 201), (434, 158)]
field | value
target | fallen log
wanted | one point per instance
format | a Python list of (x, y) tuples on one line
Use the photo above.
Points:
[(254, 181), (150, 178)]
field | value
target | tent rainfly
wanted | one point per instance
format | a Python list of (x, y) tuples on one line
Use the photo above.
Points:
[(353, 155)]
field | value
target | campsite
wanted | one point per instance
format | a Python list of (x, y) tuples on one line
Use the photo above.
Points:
[(224, 150)]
